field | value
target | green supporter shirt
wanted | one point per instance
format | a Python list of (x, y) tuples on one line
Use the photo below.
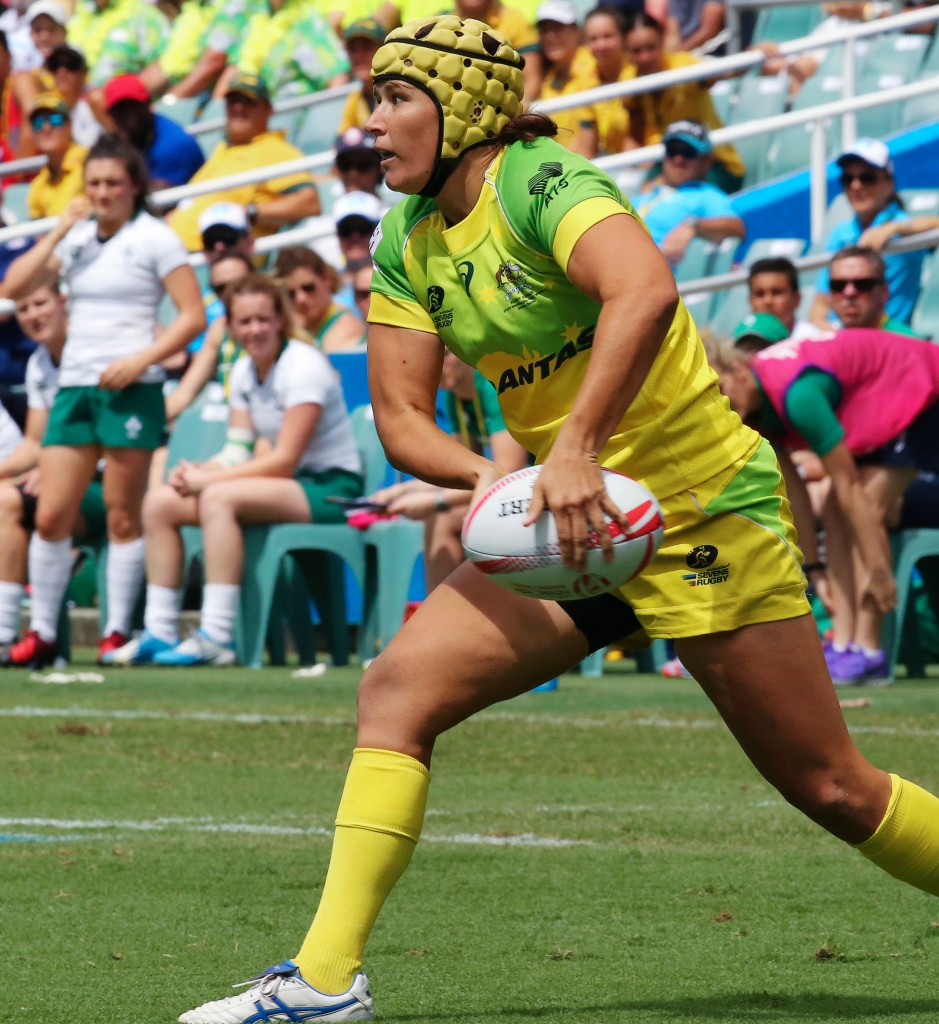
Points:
[(474, 420), (810, 408), (494, 288), (123, 38), (225, 32)]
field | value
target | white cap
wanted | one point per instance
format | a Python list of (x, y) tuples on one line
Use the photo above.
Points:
[(357, 204), (561, 11), (230, 214), (51, 8), (871, 151)]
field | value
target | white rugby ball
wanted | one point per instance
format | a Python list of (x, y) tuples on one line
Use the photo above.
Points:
[(527, 559)]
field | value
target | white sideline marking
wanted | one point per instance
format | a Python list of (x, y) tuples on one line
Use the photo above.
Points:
[(567, 722), (247, 828)]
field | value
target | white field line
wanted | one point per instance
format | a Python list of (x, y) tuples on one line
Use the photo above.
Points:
[(617, 720), (84, 826)]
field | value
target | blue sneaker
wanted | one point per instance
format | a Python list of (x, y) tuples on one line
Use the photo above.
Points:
[(140, 651), (876, 669), (197, 649), (281, 994)]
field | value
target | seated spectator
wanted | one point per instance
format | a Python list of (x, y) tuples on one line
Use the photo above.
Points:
[(19, 42), (15, 346), (867, 403), (859, 291), (62, 179), (757, 331), (356, 215), (173, 156), (693, 24), (69, 74), (42, 315), (362, 39), (213, 360), (652, 112), (47, 20), (471, 414), (117, 37), (567, 67), (200, 49), (11, 116), (774, 288), (516, 25), (311, 283), (605, 126), (290, 445), (293, 49), (684, 205), (250, 143), (867, 180), (357, 163), (362, 287)]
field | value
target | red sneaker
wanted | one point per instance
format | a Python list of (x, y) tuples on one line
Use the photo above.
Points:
[(112, 642), (30, 652)]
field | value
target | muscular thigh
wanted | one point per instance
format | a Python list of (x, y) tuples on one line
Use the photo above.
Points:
[(470, 645)]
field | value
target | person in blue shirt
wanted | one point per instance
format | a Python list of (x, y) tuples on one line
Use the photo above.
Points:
[(15, 345), (868, 182), (681, 205), (173, 156)]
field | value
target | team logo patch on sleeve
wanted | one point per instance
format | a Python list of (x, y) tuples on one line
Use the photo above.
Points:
[(547, 171)]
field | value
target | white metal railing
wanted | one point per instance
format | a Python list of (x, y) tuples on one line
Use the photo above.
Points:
[(718, 282)]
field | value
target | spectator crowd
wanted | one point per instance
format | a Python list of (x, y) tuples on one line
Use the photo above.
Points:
[(106, 93)]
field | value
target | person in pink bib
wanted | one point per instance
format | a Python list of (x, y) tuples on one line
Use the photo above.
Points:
[(867, 403)]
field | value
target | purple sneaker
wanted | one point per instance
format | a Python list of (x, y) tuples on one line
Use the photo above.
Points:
[(876, 669), (846, 667)]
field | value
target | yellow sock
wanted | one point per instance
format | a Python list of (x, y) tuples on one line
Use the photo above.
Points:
[(906, 843), (377, 827)]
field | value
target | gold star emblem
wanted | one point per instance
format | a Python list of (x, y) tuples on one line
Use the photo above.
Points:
[(572, 331), (487, 294)]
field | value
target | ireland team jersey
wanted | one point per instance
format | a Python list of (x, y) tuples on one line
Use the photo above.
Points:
[(494, 289)]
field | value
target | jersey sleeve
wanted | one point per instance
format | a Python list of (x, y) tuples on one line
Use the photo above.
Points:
[(393, 301), (810, 408), (308, 377), (168, 251), (239, 383), (35, 393), (552, 197)]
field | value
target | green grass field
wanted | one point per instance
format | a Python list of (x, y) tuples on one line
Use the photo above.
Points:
[(602, 853)]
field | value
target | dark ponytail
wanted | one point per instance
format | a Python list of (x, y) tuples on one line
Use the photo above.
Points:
[(526, 128)]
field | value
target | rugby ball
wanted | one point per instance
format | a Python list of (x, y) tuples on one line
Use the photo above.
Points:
[(527, 559)]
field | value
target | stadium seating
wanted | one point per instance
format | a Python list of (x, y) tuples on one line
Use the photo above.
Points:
[(909, 547), (782, 22), (182, 111), (14, 202), (758, 97), (317, 127)]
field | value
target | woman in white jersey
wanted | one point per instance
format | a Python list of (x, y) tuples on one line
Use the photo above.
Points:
[(290, 445), (118, 262)]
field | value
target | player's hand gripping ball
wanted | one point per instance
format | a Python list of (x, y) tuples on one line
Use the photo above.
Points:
[(527, 559)]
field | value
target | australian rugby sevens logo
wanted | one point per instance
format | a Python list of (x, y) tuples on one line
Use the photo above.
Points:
[(434, 298), (538, 183)]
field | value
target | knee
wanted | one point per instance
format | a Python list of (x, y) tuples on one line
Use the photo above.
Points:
[(158, 508), (848, 802), (215, 501), (124, 524), (11, 507), (390, 714)]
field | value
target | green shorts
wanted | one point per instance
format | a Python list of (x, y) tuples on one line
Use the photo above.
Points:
[(338, 482), (133, 417)]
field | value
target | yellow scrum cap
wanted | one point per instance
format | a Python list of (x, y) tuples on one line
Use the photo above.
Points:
[(469, 69)]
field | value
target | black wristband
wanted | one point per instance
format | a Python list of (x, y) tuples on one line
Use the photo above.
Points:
[(815, 567)]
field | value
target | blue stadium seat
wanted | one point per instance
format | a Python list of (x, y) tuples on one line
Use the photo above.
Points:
[(782, 22), (758, 97)]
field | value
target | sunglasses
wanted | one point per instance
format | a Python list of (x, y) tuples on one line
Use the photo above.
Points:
[(682, 149), (862, 284), (363, 166), (310, 288), (221, 234), (864, 177), (39, 121), (362, 294), (363, 229)]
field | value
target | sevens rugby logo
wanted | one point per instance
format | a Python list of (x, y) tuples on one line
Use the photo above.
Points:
[(434, 298), (704, 572), (547, 171)]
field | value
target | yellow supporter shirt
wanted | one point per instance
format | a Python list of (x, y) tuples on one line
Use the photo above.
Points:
[(611, 118), (355, 113), (48, 197), (569, 120), (690, 101), (267, 148)]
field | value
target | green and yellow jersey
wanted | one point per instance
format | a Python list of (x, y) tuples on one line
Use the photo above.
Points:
[(494, 289)]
